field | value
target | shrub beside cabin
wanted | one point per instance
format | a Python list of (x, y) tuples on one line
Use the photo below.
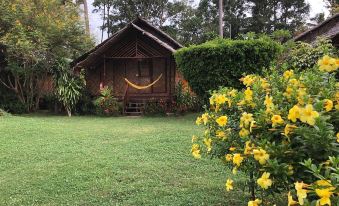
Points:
[(136, 62)]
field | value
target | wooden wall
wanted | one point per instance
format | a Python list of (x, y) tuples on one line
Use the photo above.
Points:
[(135, 57)]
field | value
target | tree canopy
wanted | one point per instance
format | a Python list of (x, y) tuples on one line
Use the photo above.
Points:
[(35, 35), (196, 24)]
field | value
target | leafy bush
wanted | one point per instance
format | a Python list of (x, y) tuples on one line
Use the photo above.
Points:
[(185, 100), (3, 113), (301, 55), (276, 123), (222, 62), (86, 104), (10, 102), (106, 104), (68, 88), (155, 107)]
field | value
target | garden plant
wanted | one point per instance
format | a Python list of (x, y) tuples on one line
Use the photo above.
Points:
[(281, 131)]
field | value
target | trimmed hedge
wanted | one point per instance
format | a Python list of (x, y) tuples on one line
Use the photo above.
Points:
[(223, 62)]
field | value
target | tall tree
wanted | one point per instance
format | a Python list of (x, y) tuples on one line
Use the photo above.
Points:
[(36, 34), (119, 12), (333, 6), (271, 15), (235, 18), (175, 17), (86, 15), (221, 20)]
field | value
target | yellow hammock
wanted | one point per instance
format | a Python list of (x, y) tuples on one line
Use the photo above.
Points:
[(143, 87)]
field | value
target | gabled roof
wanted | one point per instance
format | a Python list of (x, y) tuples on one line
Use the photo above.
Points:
[(328, 28), (140, 25)]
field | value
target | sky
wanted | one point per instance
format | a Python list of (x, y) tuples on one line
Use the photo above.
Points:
[(317, 6)]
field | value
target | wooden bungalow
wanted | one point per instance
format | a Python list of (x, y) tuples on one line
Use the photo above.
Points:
[(136, 62), (329, 29)]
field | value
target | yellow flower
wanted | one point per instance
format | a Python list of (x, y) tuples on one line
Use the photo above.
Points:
[(261, 156), (268, 102), (293, 82), (301, 96), (246, 119), (294, 113), (325, 183), (208, 143), (326, 64), (194, 138), (232, 93), (234, 170), (264, 181), (291, 202), (337, 137), (288, 92), (222, 121), (325, 195), (290, 170), (204, 118), (237, 159), (248, 148), (255, 202), (288, 74), (212, 101), (220, 99), (198, 121), (301, 192), (220, 134), (247, 80), (196, 151), (328, 105), (228, 157), (265, 85), (336, 64), (308, 115), (248, 94), (289, 129), (337, 106), (244, 132), (229, 185), (276, 120), (252, 125), (231, 149)]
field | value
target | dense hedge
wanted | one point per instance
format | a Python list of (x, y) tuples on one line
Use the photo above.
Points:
[(222, 62)]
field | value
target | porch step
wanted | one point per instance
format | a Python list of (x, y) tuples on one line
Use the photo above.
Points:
[(134, 108)]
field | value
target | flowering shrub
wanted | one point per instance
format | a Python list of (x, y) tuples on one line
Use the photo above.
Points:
[(185, 99), (280, 131), (106, 104), (155, 107)]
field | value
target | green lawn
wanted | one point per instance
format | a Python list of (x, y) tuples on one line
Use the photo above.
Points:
[(53, 160)]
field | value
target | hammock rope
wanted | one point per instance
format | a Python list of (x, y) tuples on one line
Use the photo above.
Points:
[(142, 87)]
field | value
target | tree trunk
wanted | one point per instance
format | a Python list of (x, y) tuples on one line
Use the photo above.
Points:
[(69, 112), (86, 17), (103, 23), (108, 20), (221, 19)]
